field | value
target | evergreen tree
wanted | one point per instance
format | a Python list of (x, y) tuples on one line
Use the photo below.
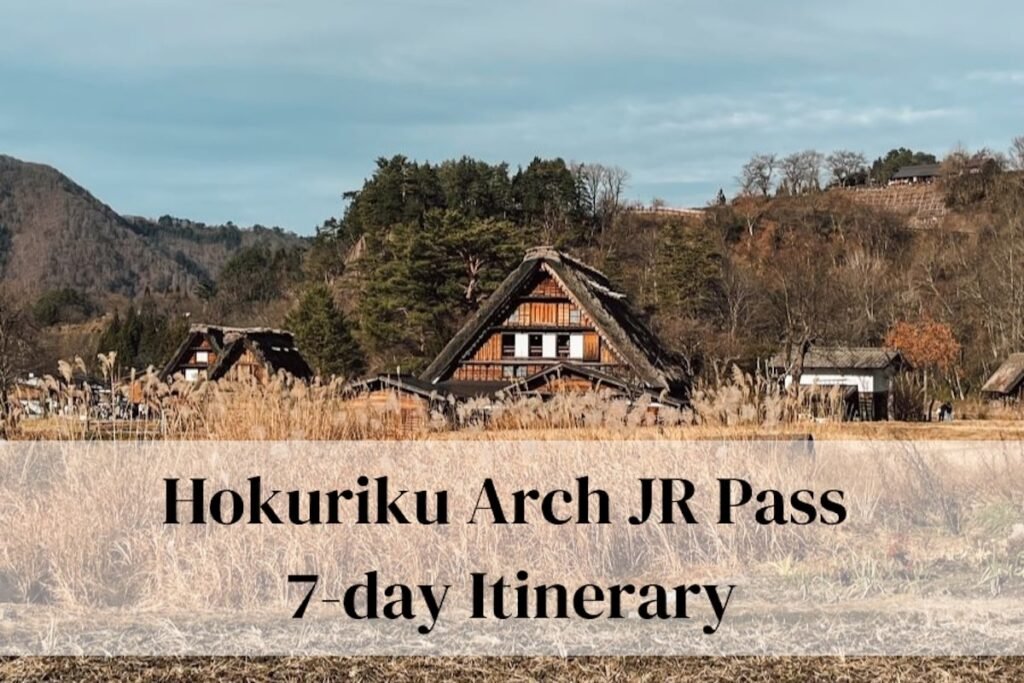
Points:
[(689, 270), (431, 275), (323, 334), (143, 337), (110, 337), (547, 197)]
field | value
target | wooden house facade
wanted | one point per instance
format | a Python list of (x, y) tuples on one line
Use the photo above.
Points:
[(555, 310), (212, 352)]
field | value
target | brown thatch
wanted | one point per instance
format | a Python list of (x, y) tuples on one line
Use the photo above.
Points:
[(653, 365), (843, 357), (416, 386), (275, 348), (215, 336), (1006, 380)]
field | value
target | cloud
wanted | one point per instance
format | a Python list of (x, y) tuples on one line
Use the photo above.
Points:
[(998, 77), (235, 108)]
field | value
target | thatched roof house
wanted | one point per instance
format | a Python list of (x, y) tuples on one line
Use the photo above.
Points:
[(210, 352), (916, 173), (1007, 379), (554, 309), (554, 324)]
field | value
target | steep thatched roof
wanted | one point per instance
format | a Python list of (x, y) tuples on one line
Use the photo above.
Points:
[(276, 348), (839, 357), (1007, 377), (653, 365)]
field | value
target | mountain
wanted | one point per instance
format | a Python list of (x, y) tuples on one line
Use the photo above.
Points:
[(202, 250), (55, 234)]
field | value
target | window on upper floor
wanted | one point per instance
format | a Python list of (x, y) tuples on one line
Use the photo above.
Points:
[(508, 346), (574, 316), (536, 345), (562, 346)]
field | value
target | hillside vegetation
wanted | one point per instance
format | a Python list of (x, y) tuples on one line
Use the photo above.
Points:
[(420, 246), (736, 283), (55, 235)]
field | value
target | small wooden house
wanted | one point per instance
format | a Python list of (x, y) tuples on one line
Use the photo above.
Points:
[(410, 398), (213, 352), (914, 174), (1008, 379), (554, 310), (864, 373)]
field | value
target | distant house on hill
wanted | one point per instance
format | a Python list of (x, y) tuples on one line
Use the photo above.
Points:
[(920, 173), (865, 373), (554, 324), (1006, 382), (211, 352)]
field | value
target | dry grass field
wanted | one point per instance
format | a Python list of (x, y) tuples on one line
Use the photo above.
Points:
[(411, 669), (287, 412)]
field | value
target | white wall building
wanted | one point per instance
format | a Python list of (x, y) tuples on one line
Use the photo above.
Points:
[(865, 371)]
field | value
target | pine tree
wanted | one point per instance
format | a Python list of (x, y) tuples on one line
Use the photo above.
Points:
[(323, 334)]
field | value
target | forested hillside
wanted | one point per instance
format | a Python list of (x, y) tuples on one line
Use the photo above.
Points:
[(81, 278), (763, 272), (55, 235), (419, 246)]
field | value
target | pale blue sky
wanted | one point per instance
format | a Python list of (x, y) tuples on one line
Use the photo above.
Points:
[(266, 110)]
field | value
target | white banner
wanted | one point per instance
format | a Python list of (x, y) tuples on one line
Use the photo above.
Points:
[(512, 548)]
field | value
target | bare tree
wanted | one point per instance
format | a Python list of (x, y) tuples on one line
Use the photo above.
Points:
[(847, 167), (758, 175), (601, 190), (616, 180), (803, 302), (16, 331), (739, 300), (1016, 155), (801, 171), (789, 169)]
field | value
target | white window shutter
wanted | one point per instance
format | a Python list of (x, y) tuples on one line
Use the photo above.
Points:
[(522, 345), (548, 346), (575, 346)]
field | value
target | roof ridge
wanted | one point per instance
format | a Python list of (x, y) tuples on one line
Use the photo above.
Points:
[(229, 329), (556, 255)]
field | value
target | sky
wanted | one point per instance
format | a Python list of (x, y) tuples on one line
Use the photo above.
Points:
[(266, 111)]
